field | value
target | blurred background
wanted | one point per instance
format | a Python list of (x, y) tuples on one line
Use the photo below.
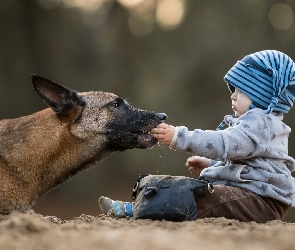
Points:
[(162, 55)]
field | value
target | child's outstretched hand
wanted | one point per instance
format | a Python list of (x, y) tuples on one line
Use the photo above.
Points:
[(164, 133), (196, 164)]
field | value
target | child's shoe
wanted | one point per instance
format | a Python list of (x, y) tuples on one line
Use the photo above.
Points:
[(120, 208)]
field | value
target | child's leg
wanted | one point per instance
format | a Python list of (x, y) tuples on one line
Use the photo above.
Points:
[(120, 208), (235, 203)]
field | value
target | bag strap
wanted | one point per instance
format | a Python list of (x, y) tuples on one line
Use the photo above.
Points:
[(151, 191), (141, 176), (136, 185)]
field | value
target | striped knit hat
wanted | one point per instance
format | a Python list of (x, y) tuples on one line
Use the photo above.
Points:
[(267, 78)]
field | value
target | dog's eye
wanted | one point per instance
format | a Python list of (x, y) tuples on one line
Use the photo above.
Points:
[(118, 102)]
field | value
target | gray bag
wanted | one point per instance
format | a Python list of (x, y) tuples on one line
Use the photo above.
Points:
[(165, 197)]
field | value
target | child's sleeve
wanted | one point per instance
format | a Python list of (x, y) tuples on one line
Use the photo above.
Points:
[(248, 138), (174, 138)]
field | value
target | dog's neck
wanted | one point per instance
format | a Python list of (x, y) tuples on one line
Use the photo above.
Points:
[(35, 159)]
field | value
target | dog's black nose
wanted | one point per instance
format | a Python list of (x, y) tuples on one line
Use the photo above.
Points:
[(162, 116)]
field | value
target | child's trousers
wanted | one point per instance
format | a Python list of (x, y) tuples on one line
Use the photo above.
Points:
[(235, 203)]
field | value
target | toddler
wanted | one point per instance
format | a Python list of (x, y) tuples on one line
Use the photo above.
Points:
[(248, 162)]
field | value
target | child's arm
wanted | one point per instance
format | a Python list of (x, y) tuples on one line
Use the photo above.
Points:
[(195, 164), (241, 141)]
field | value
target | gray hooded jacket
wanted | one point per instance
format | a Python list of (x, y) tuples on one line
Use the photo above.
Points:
[(251, 154)]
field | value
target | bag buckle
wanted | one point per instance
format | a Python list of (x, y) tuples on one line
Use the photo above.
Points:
[(134, 190), (151, 191), (210, 188)]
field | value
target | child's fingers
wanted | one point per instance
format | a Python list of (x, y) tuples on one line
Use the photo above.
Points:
[(159, 136), (192, 163), (163, 125), (156, 132), (163, 133), (195, 171), (159, 132), (191, 169)]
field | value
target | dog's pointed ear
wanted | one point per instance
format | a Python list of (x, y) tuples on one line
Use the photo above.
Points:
[(59, 98)]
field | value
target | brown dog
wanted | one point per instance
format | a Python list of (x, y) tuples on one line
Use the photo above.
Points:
[(40, 151)]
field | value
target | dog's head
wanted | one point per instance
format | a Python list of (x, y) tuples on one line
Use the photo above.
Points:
[(99, 117)]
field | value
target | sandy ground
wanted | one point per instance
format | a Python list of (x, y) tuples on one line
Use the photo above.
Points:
[(32, 231)]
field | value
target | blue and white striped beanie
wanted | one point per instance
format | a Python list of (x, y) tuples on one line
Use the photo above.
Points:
[(267, 78)]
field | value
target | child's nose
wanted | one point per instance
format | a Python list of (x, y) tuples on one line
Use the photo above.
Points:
[(233, 96)]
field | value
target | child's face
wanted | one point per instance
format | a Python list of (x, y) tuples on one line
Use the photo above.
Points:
[(240, 102)]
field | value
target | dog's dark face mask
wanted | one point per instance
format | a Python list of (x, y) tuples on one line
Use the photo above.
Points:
[(131, 127)]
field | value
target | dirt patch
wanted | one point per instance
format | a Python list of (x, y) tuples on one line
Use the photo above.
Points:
[(33, 231)]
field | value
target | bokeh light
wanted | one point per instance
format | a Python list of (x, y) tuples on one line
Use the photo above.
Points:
[(130, 3), (144, 14), (89, 5), (281, 16), (170, 13)]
